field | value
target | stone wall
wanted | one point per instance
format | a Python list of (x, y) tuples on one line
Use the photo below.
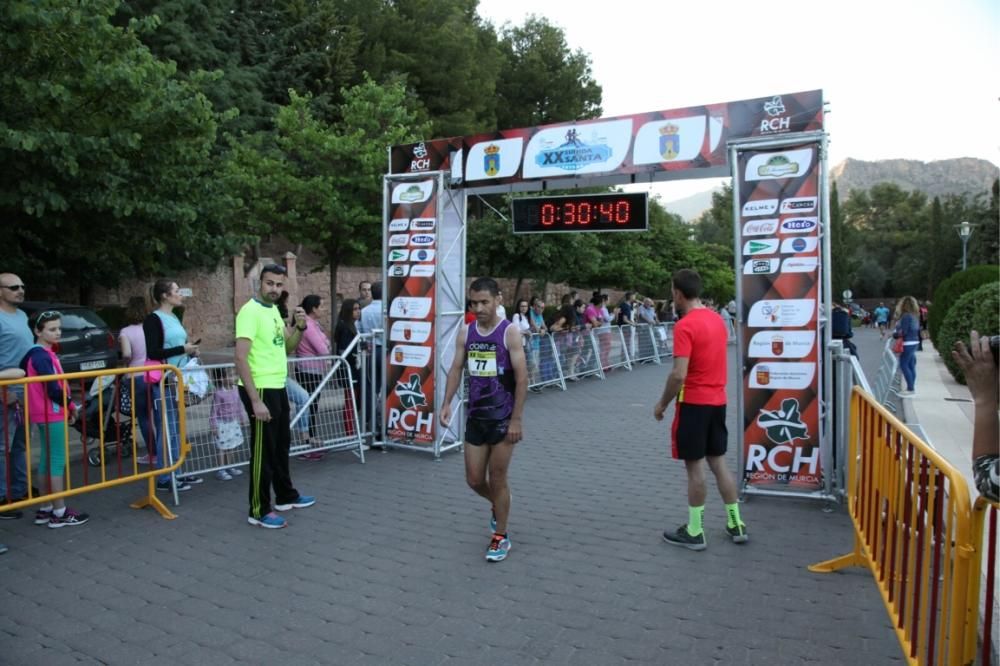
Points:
[(216, 296)]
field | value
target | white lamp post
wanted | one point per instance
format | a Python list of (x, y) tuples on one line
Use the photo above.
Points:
[(964, 231)]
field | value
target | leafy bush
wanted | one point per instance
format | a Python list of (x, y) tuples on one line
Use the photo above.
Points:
[(949, 291), (977, 310)]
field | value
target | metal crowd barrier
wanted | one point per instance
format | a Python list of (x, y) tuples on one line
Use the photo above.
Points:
[(543, 362), (913, 529), (324, 415), (104, 435), (983, 593), (887, 384)]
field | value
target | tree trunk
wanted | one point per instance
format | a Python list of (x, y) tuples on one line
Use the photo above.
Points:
[(517, 290)]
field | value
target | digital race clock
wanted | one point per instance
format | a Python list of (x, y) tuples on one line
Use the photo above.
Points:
[(611, 211)]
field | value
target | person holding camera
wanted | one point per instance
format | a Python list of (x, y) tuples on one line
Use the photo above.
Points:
[(979, 361)]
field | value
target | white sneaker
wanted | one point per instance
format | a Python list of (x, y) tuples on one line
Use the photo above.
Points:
[(235, 471), (223, 475)]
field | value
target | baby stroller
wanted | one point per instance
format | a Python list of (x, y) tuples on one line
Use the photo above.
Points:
[(105, 397)]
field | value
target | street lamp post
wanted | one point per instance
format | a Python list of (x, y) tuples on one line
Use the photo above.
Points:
[(964, 231)]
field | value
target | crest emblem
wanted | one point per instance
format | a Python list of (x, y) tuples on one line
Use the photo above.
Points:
[(491, 159), (783, 426), (411, 394), (670, 141)]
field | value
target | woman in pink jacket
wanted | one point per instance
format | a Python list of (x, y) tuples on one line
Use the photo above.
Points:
[(313, 345), (50, 408)]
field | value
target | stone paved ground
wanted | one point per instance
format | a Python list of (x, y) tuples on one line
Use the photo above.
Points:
[(388, 567)]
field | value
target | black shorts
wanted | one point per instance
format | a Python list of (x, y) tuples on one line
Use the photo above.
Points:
[(481, 431), (699, 431)]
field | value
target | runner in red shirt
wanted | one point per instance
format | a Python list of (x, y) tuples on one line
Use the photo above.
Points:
[(698, 381)]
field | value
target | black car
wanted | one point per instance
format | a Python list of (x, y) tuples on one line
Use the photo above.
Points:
[(87, 342)]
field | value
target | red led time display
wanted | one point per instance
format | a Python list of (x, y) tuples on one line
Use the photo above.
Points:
[(611, 211)]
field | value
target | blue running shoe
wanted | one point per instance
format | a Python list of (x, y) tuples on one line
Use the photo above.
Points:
[(303, 501), (271, 521), (499, 547)]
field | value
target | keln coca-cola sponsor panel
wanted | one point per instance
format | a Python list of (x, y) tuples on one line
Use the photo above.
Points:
[(780, 292), (409, 300)]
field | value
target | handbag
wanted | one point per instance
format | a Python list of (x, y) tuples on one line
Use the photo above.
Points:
[(897, 345)]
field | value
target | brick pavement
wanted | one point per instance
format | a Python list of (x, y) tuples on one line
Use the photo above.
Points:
[(388, 567)]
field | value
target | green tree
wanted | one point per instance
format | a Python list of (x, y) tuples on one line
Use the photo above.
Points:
[(444, 51), (715, 225), (107, 166), (842, 244), (321, 184), (541, 80)]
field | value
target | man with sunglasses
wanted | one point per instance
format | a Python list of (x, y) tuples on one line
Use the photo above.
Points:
[(262, 345), (15, 341)]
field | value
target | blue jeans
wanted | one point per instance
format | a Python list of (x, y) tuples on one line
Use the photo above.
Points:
[(298, 397), (143, 409), (169, 402), (12, 443), (908, 365)]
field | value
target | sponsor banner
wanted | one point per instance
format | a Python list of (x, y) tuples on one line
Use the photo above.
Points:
[(800, 265), (760, 227), (409, 296), (761, 266), (412, 192), (409, 307), (777, 375), (774, 165), (423, 240), (800, 225), (798, 205), (781, 313), (670, 140), (799, 245), (423, 224), (779, 305), (410, 331), (494, 159), (760, 207), (410, 356), (781, 344), (761, 246), (577, 149), (660, 145)]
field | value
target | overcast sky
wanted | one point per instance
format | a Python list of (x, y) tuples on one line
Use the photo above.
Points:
[(916, 79)]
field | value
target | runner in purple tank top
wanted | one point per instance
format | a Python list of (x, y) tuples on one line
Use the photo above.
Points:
[(491, 351)]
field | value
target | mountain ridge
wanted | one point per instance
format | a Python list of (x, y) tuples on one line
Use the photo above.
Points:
[(958, 175)]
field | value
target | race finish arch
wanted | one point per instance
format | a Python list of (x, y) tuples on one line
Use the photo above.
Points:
[(425, 197)]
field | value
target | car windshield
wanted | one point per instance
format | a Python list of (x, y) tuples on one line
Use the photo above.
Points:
[(75, 320)]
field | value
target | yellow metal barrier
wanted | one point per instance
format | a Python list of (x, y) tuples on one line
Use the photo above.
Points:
[(913, 529), (78, 481), (984, 538)]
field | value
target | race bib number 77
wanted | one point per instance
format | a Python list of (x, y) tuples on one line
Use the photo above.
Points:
[(482, 363)]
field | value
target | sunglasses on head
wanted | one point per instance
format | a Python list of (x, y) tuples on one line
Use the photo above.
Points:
[(13, 287)]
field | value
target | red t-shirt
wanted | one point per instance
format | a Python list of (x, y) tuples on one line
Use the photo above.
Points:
[(701, 337)]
